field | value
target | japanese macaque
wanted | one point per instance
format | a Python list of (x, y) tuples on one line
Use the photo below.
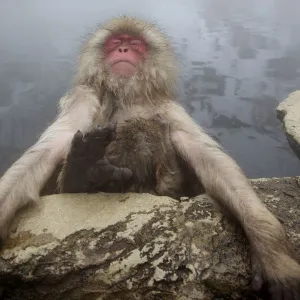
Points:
[(127, 70)]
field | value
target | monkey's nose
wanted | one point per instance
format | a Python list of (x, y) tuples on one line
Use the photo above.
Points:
[(123, 49)]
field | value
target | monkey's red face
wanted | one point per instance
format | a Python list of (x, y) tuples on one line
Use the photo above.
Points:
[(123, 53)]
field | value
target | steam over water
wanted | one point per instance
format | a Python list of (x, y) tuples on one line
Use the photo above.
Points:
[(239, 59)]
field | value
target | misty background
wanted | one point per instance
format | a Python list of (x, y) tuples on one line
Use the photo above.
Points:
[(239, 59)]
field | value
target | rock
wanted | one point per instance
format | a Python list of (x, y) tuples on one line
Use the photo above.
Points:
[(288, 112), (135, 246)]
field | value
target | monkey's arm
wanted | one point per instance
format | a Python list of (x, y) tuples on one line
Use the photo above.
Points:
[(274, 263), (24, 180)]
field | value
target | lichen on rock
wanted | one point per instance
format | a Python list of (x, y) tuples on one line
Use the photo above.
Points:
[(135, 246)]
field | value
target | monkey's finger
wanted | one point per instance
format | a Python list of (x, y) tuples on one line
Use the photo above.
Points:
[(112, 136), (113, 159), (109, 128), (104, 134), (102, 162), (77, 143), (77, 137), (106, 172), (112, 126), (121, 174), (111, 132), (103, 172), (100, 173)]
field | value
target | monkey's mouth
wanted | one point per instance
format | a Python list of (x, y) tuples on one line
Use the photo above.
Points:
[(121, 61), (123, 67)]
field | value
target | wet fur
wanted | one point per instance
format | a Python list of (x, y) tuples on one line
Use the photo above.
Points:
[(145, 147)]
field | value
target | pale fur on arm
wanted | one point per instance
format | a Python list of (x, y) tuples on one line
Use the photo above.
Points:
[(225, 182), (24, 180)]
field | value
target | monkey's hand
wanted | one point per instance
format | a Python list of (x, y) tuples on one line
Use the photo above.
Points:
[(86, 169), (283, 285), (91, 146)]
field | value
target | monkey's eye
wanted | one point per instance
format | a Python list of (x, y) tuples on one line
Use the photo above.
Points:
[(115, 41), (135, 42), (138, 45)]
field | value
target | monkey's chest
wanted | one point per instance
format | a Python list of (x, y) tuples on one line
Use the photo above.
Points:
[(139, 146)]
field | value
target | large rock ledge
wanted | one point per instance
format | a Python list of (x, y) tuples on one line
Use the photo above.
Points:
[(135, 246), (288, 112)]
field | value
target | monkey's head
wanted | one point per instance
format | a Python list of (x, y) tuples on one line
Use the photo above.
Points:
[(131, 58)]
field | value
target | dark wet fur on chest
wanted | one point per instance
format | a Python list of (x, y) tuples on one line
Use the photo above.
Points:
[(144, 146)]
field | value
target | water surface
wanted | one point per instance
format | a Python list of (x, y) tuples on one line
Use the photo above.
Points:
[(239, 59)]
